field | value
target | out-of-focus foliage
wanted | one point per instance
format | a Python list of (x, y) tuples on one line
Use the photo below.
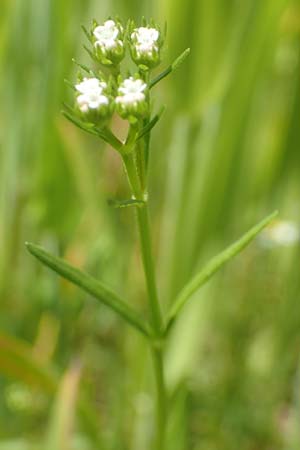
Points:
[(225, 153)]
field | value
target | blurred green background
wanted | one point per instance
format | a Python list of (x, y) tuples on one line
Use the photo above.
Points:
[(225, 153)]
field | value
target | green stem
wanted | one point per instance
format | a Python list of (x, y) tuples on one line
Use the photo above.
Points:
[(157, 323), (132, 174), (161, 398), (145, 238), (154, 306)]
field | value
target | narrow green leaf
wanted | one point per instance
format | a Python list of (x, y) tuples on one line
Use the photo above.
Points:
[(69, 109), (178, 61), (87, 33), (84, 67), (91, 285), (151, 124), (69, 84), (79, 124), (91, 54), (125, 203), (110, 138), (213, 266), (105, 134)]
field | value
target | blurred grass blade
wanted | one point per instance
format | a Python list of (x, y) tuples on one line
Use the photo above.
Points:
[(16, 444), (18, 362), (59, 433), (178, 61), (214, 265), (90, 285), (126, 203)]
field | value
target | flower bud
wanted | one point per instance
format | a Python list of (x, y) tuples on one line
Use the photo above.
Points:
[(93, 100), (108, 42), (145, 45), (131, 100)]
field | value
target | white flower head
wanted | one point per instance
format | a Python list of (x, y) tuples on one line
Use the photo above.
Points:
[(145, 40), (131, 92), (91, 85), (107, 36), (281, 233), (91, 94)]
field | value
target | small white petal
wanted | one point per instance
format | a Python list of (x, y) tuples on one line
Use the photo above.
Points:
[(109, 24), (131, 92), (106, 35), (146, 40), (90, 85), (145, 35), (91, 100)]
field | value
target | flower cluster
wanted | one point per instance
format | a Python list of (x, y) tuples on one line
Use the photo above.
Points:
[(109, 42), (99, 94), (94, 100)]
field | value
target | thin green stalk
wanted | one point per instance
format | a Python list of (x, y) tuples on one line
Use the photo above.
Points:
[(157, 323), (161, 398), (154, 306), (132, 174), (145, 238)]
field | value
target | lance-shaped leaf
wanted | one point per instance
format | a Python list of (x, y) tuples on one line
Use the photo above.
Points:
[(78, 123), (178, 61), (90, 128), (84, 68), (151, 124), (89, 284), (213, 266), (69, 84), (87, 33), (110, 138)]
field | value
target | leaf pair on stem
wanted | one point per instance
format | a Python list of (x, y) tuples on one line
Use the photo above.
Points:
[(107, 297)]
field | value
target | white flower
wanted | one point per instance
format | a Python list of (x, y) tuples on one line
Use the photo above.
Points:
[(91, 101), (90, 85), (145, 40), (91, 90), (106, 36), (285, 233), (131, 92)]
